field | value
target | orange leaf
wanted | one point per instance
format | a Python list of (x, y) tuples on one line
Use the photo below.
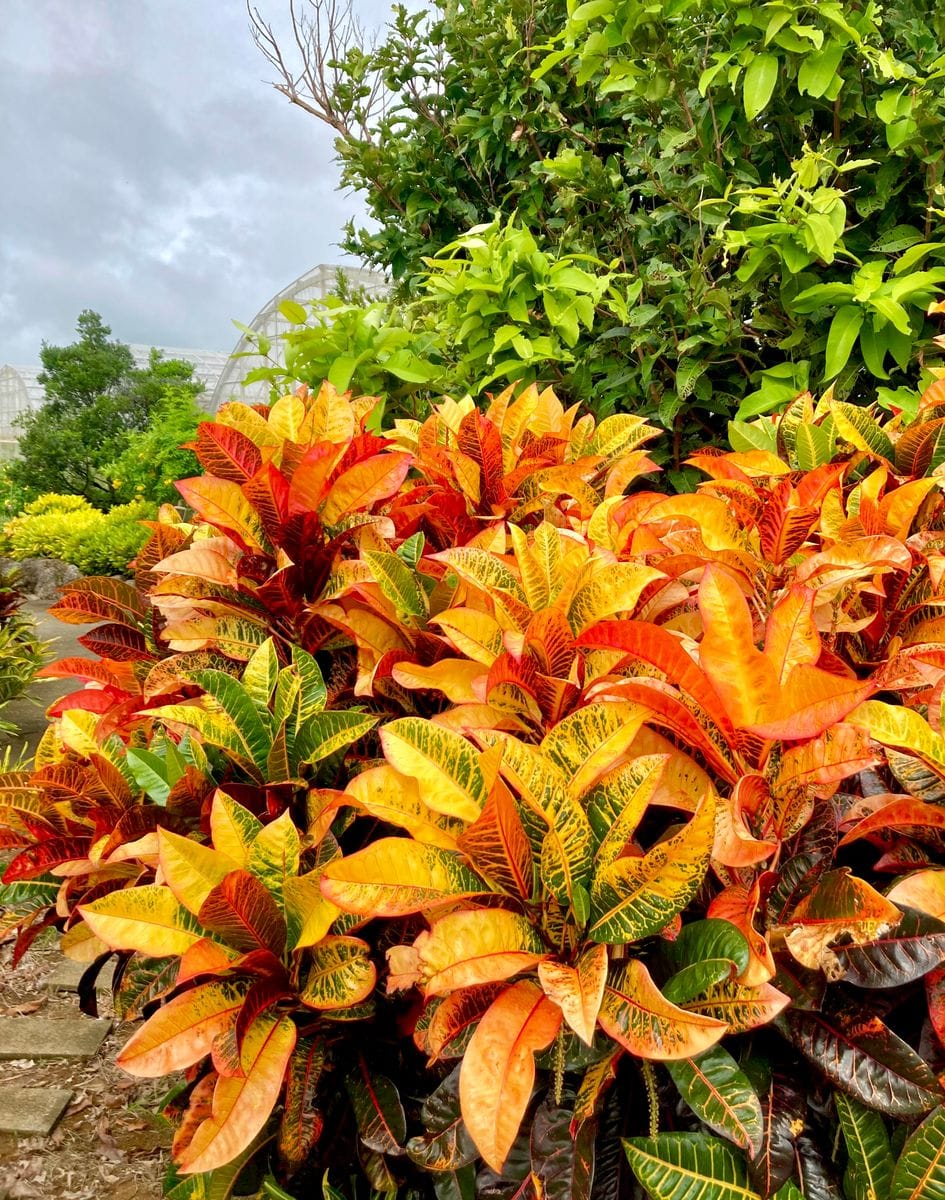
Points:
[(181, 1032), (242, 1103), (791, 636), (496, 844), (637, 1015), (498, 1071), (742, 676), (924, 890), (738, 905), (579, 990), (478, 946), (375, 478), (221, 503)]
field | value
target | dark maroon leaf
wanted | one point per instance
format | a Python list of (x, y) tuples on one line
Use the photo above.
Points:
[(446, 1146), (562, 1164), (818, 1180), (907, 952), (864, 1058), (378, 1110), (88, 999), (806, 988), (783, 1107)]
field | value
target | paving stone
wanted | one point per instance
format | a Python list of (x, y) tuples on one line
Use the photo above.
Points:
[(66, 976), (43, 1037), (31, 1110)]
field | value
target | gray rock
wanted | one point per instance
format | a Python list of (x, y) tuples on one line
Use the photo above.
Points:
[(44, 1037), (41, 578), (31, 1110)]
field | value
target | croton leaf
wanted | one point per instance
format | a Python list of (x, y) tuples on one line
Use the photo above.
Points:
[(636, 1014), (686, 1166), (446, 1146), (561, 1160), (396, 876), (242, 1103), (182, 1031), (462, 949), (148, 919), (301, 1122), (444, 764), (340, 973), (579, 990), (870, 1162), (783, 1108), (241, 912), (232, 827), (920, 1171), (498, 1070), (382, 1125), (865, 1059), (720, 1095), (591, 741), (906, 952), (497, 846), (634, 897), (191, 870)]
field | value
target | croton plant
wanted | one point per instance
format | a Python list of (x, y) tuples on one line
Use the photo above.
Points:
[(470, 818)]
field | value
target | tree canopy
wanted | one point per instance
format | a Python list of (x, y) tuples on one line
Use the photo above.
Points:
[(97, 401), (765, 178)]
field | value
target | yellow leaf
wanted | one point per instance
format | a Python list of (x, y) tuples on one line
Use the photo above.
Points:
[(221, 503), (444, 764), (578, 990), (454, 677), (637, 1015), (191, 870), (476, 946), (232, 828), (309, 915), (592, 741), (389, 796), (395, 876), (632, 898), (924, 890), (498, 1070), (473, 633), (286, 417), (331, 417), (148, 919), (340, 974), (615, 588)]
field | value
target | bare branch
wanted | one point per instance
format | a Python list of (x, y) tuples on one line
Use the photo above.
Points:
[(323, 32)]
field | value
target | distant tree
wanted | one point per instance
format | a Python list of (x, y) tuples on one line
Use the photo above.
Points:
[(96, 401)]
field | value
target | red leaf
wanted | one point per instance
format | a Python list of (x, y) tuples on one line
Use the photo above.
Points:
[(226, 452), (118, 642), (242, 911)]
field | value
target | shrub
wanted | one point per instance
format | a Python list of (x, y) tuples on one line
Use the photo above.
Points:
[(461, 744), (21, 652), (68, 527)]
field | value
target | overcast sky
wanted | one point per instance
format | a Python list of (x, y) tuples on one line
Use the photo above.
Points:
[(149, 171)]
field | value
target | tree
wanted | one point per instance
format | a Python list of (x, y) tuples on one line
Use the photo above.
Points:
[(96, 400), (771, 175)]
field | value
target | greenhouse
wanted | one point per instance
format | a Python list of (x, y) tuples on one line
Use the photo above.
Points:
[(315, 284)]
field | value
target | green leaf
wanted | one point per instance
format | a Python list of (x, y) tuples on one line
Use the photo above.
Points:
[(870, 1162), (687, 1166), (744, 436), (327, 732), (719, 1093), (844, 330), (813, 446), (758, 86), (254, 729), (818, 69), (293, 312), (920, 1171)]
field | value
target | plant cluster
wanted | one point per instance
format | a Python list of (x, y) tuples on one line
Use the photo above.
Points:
[(69, 528), (457, 805), (21, 652), (768, 176)]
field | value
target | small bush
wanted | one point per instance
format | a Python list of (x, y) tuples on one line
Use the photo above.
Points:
[(21, 653), (69, 528)]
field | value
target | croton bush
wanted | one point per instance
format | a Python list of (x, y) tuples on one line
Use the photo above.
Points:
[(468, 817)]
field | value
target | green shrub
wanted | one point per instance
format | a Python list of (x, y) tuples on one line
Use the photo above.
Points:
[(21, 652), (69, 528)]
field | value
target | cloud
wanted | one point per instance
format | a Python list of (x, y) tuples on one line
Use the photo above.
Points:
[(152, 174)]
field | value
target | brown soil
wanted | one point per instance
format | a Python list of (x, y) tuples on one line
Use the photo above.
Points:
[(110, 1144)]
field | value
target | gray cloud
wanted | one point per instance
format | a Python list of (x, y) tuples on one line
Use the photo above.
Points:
[(151, 173)]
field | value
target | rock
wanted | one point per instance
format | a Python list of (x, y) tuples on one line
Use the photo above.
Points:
[(41, 578)]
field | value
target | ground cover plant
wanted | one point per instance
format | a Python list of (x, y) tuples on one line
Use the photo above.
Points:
[(470, 817), (21, 651)]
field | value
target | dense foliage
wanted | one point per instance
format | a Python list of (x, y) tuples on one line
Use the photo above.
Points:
[(21, 651), (69, 528), (99, 415), (768, 176), (437, 787)]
